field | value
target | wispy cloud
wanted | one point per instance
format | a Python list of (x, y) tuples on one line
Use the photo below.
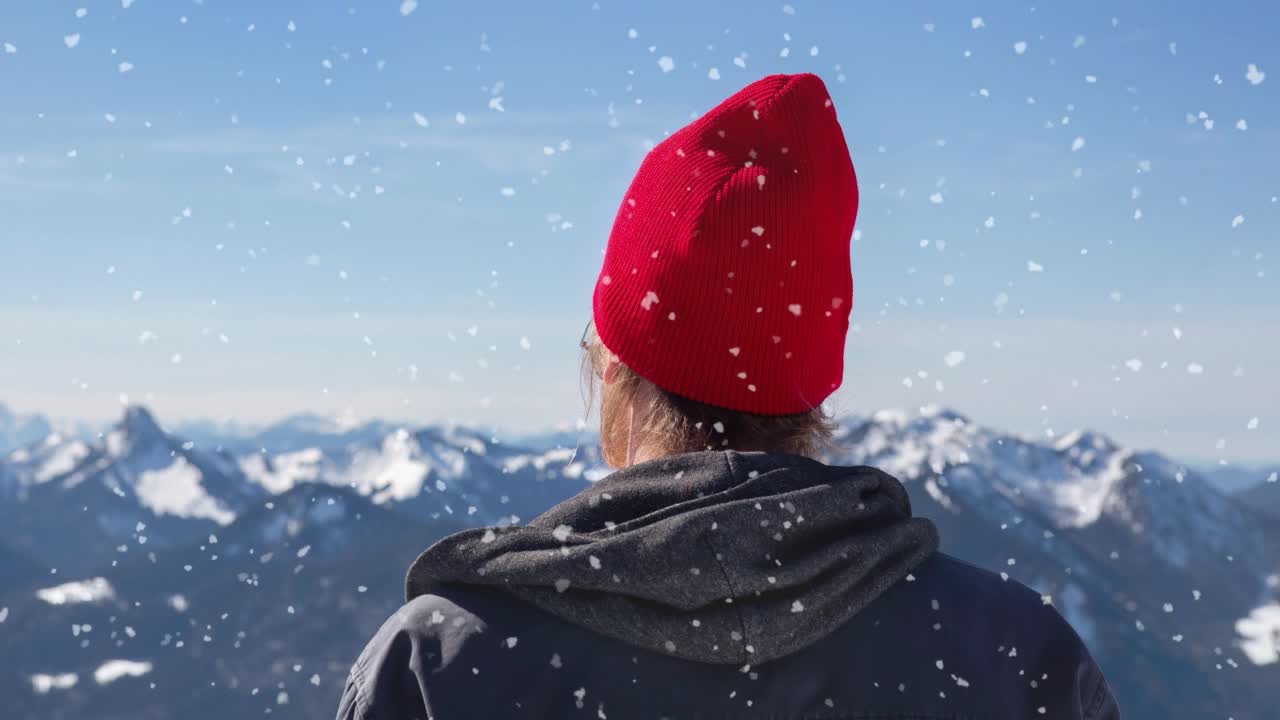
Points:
[(388, 150)]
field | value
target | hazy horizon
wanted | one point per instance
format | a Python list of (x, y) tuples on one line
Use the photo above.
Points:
[(235, 426)]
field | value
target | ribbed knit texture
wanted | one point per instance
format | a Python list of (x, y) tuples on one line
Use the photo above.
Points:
[(726, 279)]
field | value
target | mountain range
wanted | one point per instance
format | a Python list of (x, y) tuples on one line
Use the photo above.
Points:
[(235, 573), (1264, 498), (305, 430), (1235, 479)]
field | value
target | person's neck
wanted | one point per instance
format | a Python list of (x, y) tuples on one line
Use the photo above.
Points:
[(645, 453)]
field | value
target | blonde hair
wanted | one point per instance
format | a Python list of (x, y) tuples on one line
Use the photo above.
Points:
[(674, 424)]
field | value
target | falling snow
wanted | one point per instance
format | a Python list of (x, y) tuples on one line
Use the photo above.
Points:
[(391, 226)]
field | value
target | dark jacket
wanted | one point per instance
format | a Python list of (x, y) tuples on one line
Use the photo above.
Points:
[(721, 585)]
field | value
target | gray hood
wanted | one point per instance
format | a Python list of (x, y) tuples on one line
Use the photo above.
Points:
[(720, 557)]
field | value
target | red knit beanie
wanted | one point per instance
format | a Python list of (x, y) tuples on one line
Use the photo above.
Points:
[(727, 278)]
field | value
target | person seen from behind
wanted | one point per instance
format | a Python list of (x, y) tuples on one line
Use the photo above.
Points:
[(722, 571)]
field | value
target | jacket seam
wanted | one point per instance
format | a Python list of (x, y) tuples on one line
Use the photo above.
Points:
[(742, 625)]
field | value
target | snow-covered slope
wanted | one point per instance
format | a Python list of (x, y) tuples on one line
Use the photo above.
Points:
[(433, 472), (1077, 481), (1143, 556), (267, 612), (74, 504), (39, 462)]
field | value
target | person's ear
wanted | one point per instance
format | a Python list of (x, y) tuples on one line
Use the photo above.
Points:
[(612, 367)]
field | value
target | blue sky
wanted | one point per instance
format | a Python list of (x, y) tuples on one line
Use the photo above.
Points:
[(235, 209)]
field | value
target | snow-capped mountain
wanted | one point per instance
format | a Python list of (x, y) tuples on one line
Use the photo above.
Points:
[(427, 472), (296, 432), (1080, 480), (245, 561), (1145, 558), (434, 472), (21, 429), (74, 504), (18, 430)]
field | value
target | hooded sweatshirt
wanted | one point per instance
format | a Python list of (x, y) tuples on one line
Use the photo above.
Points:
[(719, 584)]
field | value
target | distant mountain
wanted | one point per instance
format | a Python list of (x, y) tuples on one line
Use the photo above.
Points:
[(1233, 478), (432, 472), (74, 505), (586, 441), (296, 432), (242, 565), (1149, 562), (18, 430), (213, 433), (1264, 498), (264, 616)]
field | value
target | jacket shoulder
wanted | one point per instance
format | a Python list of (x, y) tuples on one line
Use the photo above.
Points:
[(995, 616), (418, 641), (997, 600), (965, 579), (1010, 616)]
